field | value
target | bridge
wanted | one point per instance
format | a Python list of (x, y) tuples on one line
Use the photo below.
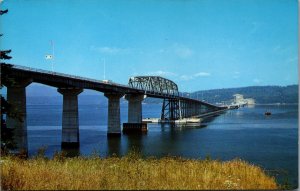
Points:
[(174, 106)]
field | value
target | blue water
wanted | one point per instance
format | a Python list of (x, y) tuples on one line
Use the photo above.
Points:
[(268, 141)]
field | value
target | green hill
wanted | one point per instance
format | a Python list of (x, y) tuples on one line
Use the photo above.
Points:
[(261, 94)]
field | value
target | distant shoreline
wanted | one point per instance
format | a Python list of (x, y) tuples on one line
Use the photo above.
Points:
[(277, 104)]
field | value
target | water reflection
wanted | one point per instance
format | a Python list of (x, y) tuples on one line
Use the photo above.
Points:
[(250, 106), (114, 146), (135, 143), (71, 152), (209, 119)]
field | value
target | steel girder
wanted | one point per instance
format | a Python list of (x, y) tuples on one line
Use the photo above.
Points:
[(171, 110), (154, 84)]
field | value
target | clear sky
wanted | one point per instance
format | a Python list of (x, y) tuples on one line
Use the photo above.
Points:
[(199, 44)]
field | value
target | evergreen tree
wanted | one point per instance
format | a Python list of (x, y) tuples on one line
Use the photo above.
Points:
[(6, 108), (4, 53)]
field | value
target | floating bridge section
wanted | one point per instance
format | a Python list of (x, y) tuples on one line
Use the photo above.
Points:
[(16, 78)]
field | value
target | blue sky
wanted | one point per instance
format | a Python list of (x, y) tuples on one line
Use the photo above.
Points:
[(199, 44)]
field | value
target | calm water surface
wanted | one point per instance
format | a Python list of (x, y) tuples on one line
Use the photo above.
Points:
[(268, 141)]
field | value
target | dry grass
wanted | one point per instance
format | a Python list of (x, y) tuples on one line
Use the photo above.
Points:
[(130, 172)]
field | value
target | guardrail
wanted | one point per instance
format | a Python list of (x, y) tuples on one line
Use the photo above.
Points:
[(65, 75)]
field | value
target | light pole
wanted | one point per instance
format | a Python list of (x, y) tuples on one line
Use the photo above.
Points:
[(52, 62), (51, 56)]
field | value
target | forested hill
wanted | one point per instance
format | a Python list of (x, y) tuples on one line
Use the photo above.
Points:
[(261, 94)]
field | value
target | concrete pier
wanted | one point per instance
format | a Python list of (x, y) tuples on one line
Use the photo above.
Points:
[(134, 108), (184, 113), (202, 109), (189, 110), (114, 121), (193, 109), (70, 119), (196, 108), (134, 128), (180, 109), (16, 96)]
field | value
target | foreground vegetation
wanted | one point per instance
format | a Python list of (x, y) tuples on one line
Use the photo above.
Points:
[(130, 172)]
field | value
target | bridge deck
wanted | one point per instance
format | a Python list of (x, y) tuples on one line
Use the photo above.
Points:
[(61, 80)]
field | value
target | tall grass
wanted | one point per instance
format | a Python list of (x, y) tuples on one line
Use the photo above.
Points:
[(130, 172)]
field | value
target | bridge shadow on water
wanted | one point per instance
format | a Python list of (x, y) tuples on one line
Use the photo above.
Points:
[(142, 144), (137, 142), (114, 146), (71, 152)]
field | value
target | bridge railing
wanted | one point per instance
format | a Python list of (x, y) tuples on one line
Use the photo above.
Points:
[(65, 75)]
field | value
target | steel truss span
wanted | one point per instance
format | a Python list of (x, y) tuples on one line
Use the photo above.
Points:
[(154, 84)]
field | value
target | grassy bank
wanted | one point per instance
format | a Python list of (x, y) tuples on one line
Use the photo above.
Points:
[(130, 172)]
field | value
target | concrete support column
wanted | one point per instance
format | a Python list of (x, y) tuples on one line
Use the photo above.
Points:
[(193, 104), (190, 109), (185, 109), (194, 109), (114, 120), (16, 96), (70, 121), (134, 108), (202, 109), (182, 108)]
